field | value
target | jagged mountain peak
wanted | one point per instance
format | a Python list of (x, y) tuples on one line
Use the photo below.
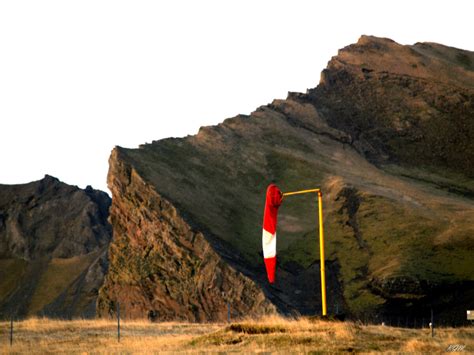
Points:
[(429, 61), (53, 238)]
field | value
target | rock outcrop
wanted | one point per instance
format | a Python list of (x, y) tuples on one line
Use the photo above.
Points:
[(163, 268), (53, 248), (410, 105), (388, 137)]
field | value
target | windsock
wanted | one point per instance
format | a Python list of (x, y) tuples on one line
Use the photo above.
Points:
[(272, 202)]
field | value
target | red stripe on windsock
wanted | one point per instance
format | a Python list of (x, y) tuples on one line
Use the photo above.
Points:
[(270, 265), (272, 202)]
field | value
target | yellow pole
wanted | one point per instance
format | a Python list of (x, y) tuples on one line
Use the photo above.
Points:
[(300, 192), (321, 252), (321, 241)]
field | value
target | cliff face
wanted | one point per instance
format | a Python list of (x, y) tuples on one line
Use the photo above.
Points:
[(161, 267), (399, 238), (53, 248)]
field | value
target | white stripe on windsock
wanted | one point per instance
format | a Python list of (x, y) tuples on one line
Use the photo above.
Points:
[(268, 244)]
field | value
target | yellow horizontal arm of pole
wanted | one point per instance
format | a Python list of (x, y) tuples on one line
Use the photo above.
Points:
[(300, 192)]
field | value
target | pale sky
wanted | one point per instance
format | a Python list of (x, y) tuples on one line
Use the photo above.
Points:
[(79, 77)]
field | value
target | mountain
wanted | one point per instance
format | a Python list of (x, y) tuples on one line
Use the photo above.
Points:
[(53, 248), (410, 105), (387, 135)]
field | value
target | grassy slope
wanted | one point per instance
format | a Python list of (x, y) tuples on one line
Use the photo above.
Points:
[(271, 334), (59, 274), (54, 277), (11, 272), (408, 227)]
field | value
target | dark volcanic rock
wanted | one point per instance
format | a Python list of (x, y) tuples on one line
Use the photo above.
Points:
[(53, 242)]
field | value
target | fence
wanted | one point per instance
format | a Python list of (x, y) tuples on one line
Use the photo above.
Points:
[(414, 322)]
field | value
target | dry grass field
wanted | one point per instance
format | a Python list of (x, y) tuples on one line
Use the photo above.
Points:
[(269, 335)]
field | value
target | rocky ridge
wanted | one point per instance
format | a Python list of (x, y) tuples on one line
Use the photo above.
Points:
[(53, 248)]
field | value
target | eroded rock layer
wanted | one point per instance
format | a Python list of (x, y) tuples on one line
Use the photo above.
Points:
[(162, 268)]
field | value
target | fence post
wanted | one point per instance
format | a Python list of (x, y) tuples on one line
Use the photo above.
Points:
[(228, 312), (11, 330), (432, 323), (118, 321)]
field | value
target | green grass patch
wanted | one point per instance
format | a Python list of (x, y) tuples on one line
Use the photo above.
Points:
[(11, 273), (59, 274)]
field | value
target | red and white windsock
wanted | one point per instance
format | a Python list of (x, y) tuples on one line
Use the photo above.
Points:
[(272, 202)]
